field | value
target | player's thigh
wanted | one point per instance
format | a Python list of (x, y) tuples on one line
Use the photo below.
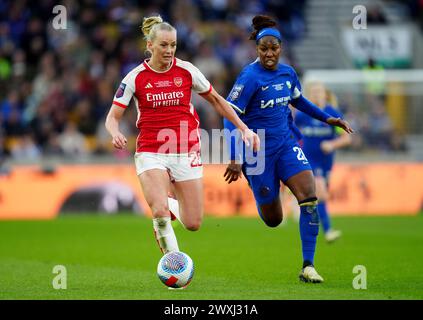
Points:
[(155, 185), (190, 197), (295, 171), (264, 181), (266, 189), (302, 185)]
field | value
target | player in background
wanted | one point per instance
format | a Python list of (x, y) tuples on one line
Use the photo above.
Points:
[(261, 95), (167, 157), (319, 143)]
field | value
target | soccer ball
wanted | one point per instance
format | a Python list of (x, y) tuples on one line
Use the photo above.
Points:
[(175, 269)]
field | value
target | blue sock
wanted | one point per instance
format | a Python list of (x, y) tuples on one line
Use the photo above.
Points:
[(324, 216), (309, 229)]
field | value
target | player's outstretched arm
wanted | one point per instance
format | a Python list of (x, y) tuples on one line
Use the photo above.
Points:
[(224, 109), (119, 140)]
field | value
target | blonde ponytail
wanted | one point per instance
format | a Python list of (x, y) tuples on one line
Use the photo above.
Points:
[(148, 24), (151, 25)]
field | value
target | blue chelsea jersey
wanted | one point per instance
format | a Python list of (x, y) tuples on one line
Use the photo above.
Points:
[(314, 132), (261, 98)]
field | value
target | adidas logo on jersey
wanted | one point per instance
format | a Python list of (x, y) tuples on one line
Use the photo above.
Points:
[(148, 86)]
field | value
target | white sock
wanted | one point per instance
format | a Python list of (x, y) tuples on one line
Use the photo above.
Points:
[(165, 235), (174, 207)]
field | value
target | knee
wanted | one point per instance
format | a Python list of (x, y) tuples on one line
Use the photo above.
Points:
[(161, 211), (307, 193), (193, 225), (272, 213), (273, 221), (192, 218)]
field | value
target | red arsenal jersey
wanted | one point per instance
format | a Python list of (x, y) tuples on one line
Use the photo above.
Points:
[(167, 120)]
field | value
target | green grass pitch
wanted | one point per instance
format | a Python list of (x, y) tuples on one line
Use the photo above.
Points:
[(115, 257)]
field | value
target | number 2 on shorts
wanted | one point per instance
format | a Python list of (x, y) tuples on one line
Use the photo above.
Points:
[(300, 154), (195, 159)]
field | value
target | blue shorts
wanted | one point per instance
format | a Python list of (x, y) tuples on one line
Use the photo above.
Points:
[(281, 166)]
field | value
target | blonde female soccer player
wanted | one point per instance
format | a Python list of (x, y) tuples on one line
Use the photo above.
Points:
[(168, 144)]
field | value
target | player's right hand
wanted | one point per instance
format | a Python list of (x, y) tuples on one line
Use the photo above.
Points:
[(119, 141), (233, 172), (340, 123), (251, 139)]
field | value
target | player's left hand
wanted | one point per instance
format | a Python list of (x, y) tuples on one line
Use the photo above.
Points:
[(119, 141), (233, 172), (251, 139), (340, 123)]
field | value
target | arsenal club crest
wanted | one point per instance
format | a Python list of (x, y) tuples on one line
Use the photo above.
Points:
[(177, 81)]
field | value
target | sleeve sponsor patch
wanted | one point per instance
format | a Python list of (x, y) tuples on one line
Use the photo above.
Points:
[(236, 92), (296, 93), (121, 90)]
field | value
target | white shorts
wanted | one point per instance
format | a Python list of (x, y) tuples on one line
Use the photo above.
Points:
[(180, 167)]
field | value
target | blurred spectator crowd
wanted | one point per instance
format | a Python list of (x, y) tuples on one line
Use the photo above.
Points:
[(57, 85)]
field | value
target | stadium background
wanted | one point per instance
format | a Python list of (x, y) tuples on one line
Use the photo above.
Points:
[(56, 87)]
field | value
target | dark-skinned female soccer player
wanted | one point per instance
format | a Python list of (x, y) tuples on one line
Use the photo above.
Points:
[(261, 95)]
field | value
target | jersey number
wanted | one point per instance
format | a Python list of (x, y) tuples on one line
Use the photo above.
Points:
[(300, 154), (195, 159)]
